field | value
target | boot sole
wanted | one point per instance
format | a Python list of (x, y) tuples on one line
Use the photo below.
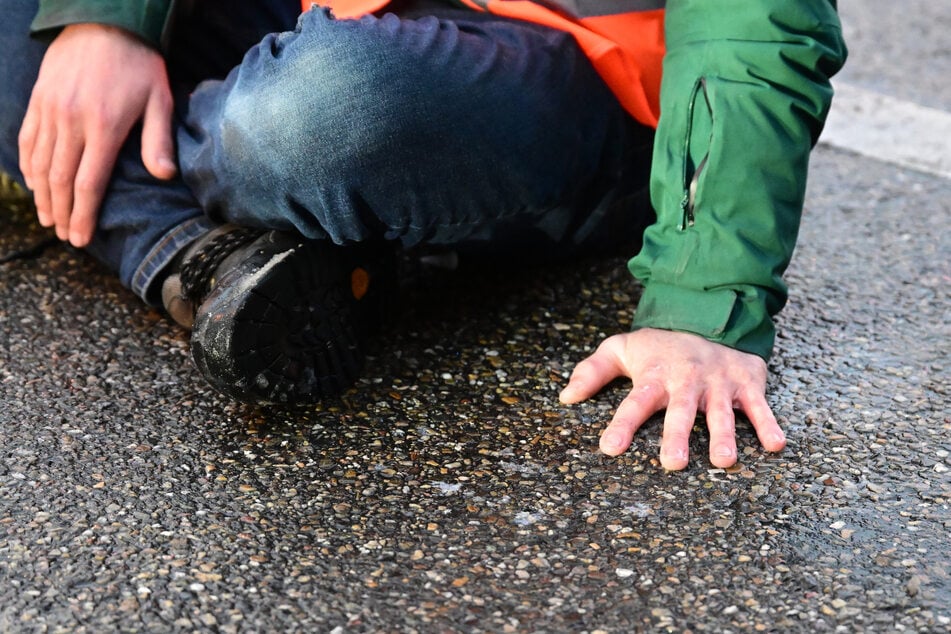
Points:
[(286, 327)]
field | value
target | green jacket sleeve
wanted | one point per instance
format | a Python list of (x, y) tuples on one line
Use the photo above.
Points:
[(145, 18), (744, 95)]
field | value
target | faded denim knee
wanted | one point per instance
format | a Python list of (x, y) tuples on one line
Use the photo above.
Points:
[(421, 130), (308, 118)]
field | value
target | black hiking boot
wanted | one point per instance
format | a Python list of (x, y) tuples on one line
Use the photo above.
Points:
[(279, 319)]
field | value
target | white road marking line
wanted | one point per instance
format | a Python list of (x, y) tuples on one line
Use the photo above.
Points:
[(889, 129)]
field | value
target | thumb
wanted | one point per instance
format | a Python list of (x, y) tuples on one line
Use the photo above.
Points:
[(158, 148), (590, 375)]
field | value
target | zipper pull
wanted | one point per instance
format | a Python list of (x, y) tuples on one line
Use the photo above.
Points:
[(690, 199), (686, 212)]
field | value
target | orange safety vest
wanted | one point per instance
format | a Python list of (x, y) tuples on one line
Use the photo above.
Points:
[(624, 39)]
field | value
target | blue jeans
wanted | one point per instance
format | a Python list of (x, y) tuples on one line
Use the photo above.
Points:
[(428, 125)]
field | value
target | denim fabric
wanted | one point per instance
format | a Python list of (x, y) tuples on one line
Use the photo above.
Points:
[(440, 126), (19, 62), (438, 129)]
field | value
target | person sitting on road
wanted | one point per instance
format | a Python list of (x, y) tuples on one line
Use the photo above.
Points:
[(252, 166)]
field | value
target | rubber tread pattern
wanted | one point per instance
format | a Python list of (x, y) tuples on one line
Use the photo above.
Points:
[(283, 326)]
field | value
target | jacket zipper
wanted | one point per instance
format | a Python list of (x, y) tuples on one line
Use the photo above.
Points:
[(691, 181)]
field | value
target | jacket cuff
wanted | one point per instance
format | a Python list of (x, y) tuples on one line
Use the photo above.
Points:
[(146, 19), (737, 318)]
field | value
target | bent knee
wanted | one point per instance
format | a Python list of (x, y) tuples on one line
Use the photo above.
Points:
[(340, 93)]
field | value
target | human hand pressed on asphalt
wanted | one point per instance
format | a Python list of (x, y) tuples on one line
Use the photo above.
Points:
[(684, 374), (94, 84)]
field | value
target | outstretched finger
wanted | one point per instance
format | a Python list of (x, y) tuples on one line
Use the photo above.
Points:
[(640, 403), (95, 168), (158, 148), (66, 156), (39, 166), (770, 434), (25, 142), (678, 423), (721, 423)]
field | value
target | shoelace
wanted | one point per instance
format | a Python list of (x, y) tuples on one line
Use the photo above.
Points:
[(30, 252), (198, 271)]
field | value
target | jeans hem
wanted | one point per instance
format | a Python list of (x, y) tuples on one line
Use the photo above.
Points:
[(162, 254)]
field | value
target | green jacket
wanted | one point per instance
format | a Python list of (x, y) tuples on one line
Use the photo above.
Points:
[(148, 19), (744, 96)]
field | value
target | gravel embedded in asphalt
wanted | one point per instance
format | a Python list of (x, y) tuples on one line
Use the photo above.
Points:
[(451, 491)]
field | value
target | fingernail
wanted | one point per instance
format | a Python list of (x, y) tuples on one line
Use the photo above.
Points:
[(778, 439), (676, 454), (77, 239), (611, 444), (724, 452), (167, 164), (674, 460)]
